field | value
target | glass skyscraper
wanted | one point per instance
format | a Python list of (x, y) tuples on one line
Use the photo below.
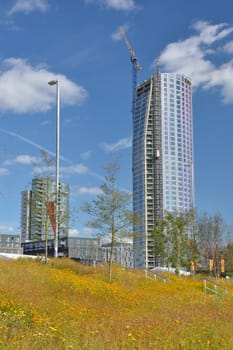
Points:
[(163, 164)]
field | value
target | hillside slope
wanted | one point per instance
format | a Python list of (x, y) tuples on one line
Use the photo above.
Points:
[(65, 305)]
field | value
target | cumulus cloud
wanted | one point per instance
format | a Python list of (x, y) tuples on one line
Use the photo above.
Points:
[(223, 77), (194, 56), (27, 6), (23, 159), (4, 171), (24, 88), (122, 5), (117, 146), (90, 190)]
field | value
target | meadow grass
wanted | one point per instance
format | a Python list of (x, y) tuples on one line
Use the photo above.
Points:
[(66, 305)]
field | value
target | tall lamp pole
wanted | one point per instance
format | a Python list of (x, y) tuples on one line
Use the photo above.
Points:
[(56, 82)]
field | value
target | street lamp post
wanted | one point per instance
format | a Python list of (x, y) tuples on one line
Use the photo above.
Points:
[(56, 82)]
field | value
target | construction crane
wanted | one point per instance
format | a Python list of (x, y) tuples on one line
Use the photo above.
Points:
[(133, 58)]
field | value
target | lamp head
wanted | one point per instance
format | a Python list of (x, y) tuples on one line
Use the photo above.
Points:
[(53, 82)]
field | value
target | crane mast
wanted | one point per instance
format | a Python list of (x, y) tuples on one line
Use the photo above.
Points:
[(133, 58)]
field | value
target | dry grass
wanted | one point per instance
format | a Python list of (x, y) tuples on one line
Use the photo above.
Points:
[(65, 305)]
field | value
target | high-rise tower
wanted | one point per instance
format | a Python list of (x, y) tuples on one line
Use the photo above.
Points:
[(38, 210), (162, 156)]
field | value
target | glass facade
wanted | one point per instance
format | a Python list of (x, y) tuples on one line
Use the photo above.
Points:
[(177, 142), (162, 156)]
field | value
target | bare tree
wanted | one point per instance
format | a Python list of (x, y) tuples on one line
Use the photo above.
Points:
[(210, 233)]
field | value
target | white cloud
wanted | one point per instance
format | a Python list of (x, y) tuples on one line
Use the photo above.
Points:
[(122, 5), (27, 6), (4, 171), (116, 36), (44, 123), (24, 88), (34, 144), (85, 155), (7, 229), (8, 22), (228, 47), (23, 159), (194, 57), (209, 33), (117, 146), (74, 169), (223, 77), (39, 170), (87, 231), (125, 5), (73, 232), (71, 170), (90, 190)]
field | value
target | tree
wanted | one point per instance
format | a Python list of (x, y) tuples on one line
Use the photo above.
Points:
[(173, 239), (110, 212), (229, 257), (210, 233), (160, 240)]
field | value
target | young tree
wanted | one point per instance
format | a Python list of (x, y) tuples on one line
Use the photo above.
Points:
[(110, 212), (173, 242)]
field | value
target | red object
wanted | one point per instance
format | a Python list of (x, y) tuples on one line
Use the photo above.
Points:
[(51, 211)]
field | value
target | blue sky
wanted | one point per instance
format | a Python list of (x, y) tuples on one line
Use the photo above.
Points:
[(78, 42)]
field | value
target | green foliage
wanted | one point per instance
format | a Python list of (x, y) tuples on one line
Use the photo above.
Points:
[(160, 239), (172, 239), (229, 258), (109, 212)]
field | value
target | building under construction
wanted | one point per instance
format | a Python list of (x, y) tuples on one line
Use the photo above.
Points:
[(162, 156), (38, 210)]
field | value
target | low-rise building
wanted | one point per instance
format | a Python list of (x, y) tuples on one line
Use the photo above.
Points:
[(122, 253), (10, 244), (86, 250)]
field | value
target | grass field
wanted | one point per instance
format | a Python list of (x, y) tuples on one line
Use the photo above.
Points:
[(66, 305)]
